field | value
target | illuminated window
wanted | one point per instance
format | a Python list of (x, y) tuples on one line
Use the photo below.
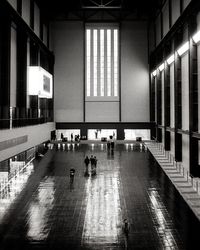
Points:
[(102, 59)]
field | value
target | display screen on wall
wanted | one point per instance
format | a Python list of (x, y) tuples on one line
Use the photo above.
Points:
[(46, 83), (40, 82)]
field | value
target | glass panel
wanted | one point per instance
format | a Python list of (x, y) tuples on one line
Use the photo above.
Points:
[(95, 61), (88, 53), (108, 62), (102, 61), (115, 62)]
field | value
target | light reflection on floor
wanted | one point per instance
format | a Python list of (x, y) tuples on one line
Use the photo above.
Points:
[(40, 209), (160, 217), (12, 185), (103, 211)]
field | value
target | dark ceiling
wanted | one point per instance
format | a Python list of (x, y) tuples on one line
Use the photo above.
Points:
[(88, 10)]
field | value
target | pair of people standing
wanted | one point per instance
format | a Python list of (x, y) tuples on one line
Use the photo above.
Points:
[(93, 161)]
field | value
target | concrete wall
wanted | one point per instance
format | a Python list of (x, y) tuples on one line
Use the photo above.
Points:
[(26, 11), (102, 111), (36, 135), (134, 72), (68, 46)]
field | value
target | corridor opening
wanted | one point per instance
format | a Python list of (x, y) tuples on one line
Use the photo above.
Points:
[(134, 134), (102, 134)]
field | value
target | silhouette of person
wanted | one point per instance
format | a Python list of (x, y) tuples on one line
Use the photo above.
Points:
[(71, 174)]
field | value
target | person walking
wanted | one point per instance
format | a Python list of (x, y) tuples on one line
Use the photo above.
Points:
[(92, 162), (71, 175), (86, 161), (126, 230)]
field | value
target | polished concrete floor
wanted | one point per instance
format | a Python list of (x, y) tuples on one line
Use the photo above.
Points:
[(40, 209)]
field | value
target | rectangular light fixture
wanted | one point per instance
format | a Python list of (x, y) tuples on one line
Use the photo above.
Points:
[(170, 59), (161, 67), (183, 48), (154, 73), (196, 37)]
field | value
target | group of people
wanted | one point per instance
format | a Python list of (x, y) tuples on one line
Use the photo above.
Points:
[(93, 161)]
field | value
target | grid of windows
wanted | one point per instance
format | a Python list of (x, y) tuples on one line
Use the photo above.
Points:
[(102, 59)]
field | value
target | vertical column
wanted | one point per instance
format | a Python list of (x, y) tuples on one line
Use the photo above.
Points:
[(21, 75), (167, 107), (5, 34), (13, 73), (178, 108), (193, 103)]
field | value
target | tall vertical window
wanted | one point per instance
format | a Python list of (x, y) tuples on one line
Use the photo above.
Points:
[(102, 61), (88, 57)]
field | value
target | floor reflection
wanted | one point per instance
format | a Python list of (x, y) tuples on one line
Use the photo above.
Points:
[(11, 184), (103, 211), (160, 218), (40, 210)]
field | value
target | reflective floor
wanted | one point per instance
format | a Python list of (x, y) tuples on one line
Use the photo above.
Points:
[(40, 209)]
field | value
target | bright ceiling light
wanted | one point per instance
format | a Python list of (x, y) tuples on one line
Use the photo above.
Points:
[(154, 73), (161, 67), (183, 48), (196, 37), (170, 59)]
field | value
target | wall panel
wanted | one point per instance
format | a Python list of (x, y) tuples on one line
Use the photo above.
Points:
[(102, 111), (67, 42), (172, 144), (26, 11), (172, 124), (13, 67), (36, 20), (185, 91), (158, 30), (175, 10), (185, 151), (134, 72), (43, 133), (165, 18)]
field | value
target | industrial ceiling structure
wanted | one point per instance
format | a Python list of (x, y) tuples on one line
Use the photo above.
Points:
[(93, 10)]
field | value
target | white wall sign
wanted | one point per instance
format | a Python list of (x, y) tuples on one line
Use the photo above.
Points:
[(39, 82)]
